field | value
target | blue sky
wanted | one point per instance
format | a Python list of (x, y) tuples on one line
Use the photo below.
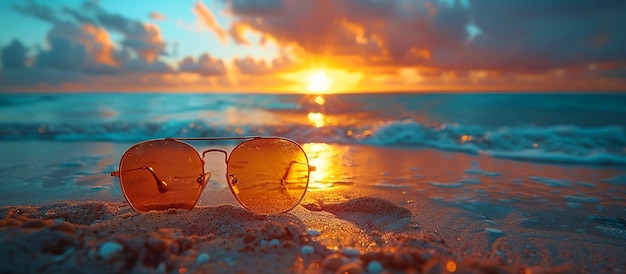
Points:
[(184, 35)]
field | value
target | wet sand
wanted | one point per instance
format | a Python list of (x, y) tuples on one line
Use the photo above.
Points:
[(368, 210)]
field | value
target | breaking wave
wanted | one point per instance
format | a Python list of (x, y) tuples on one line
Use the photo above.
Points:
[(558, 143)]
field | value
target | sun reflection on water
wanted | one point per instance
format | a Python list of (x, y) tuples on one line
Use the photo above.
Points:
[(317, 119), (319, 100)]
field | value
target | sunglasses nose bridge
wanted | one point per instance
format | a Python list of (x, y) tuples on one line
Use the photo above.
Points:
[(204, 153)]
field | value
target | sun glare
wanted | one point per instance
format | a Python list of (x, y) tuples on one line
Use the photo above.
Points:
[(319, 100), (319, 82)]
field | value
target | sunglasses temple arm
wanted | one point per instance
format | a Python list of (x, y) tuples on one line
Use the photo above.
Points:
[(202, 179), (161, 185), (284, 179)]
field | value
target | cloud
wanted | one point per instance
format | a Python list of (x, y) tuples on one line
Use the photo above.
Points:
[(206, 65), (143, 38), (375, 30), (79, 48), (41, 12), (539, 36), (14, 55), (517, 36), (256, 8), (209, 20), (83, 49), (237, 32), (157, 16), (79, 16), (249, 65), (98, 44), (520, 44), (62, 54), (252, 66)]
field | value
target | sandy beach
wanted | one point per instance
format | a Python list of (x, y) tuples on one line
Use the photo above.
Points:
[(368, 210), (392, 136)]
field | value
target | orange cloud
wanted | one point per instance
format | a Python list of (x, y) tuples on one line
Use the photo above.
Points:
[(152, 36), (264, 66), (206, 65), (362, 45), (237, 32), (355, 29), (98, 44), (209, 20), (157, 16)]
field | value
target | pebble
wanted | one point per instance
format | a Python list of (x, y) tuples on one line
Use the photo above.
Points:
[(274, 243), (313, 232), (350, 252), (374, 267), (109, 250), (161, 268), (307, 250), (202, 258)]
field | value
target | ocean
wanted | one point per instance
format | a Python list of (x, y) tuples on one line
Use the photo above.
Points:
[(62, 146)]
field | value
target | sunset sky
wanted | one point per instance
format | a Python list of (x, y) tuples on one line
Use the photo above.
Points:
[(317, 46)]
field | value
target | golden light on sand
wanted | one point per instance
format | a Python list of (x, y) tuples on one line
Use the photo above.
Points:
[(319, 156), (319, 82)]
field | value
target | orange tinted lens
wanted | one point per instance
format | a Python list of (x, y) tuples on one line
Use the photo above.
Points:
[(268, 175), (161, 174)]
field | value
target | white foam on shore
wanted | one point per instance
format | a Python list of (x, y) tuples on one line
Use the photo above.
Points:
[(559, 143), (386, 184), (446, 185), (619, 180), (551, 181), (587, 184), (615, 232), (573, 204), (582, 199), (457, 184)]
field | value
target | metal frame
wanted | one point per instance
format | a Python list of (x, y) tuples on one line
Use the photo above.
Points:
[(230, 178)]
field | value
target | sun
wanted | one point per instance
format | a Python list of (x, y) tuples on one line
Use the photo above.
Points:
[(319, 82)]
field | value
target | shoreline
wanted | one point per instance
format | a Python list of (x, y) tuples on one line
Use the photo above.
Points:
[(422, 209)]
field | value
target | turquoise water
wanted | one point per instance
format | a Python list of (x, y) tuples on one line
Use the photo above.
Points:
[(570, 128)]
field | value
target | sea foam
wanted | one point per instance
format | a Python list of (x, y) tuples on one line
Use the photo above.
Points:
[(584, 133)]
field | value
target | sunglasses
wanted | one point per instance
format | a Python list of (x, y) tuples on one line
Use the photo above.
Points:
[(266, 175)]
